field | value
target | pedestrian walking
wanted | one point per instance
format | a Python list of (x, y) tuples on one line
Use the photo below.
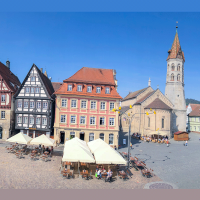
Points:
[(186, 143), (167, 143), (131, 145)]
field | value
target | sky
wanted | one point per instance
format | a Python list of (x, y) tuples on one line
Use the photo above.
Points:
[(135, 44)]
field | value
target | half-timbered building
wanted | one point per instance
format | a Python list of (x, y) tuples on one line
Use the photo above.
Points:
[(34, 103), (9, 84)]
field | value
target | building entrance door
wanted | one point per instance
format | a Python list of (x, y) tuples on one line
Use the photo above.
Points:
[(1, 132), (82, 135), (62, 137)]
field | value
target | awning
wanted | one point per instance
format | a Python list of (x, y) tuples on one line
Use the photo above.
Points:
[(20, 138), (43, 140)]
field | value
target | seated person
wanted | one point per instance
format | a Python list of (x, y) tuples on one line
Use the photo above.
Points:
[(99, 173), (109, 174), (47, 149)]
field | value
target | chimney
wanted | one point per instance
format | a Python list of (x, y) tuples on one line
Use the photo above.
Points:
[(8, 64), (45, 73), (149, 82), (41, 69)]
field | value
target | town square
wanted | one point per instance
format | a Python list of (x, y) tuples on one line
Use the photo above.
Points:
[(102, 103)]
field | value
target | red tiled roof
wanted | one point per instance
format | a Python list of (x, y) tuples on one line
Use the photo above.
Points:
[(56, 85), (179, 132), (92, 75), (10, 79), (64, 86), (176, 51), (193, 106), (134, 94), (196, 111), (158, 104), (143, 98)]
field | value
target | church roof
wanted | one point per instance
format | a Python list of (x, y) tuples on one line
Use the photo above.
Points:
[(196, 111), (144, 98), (158, 104), (134, 94), (175, 51)]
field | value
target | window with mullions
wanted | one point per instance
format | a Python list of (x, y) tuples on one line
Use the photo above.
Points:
[(32, 104), (25, 120), (89, 89), (3, 98), (38, 119), (44, 121), (82, 120), (64, 102), (31, 120), (37, 90), (107, 90), (93, 104), (38, 105), (83, 104), (111, 138), (19, 105), (91, 137), (112, 105), (69, 88), (92, 120), (102, 121), (32, 90), (98, 90), (19, 119), (73, 103), (112, 121), (3, 115), (45, 105), (73, 119), (27, 90), (32, 78), (103, 106), (79, 88), (25, 104), (63, 118)]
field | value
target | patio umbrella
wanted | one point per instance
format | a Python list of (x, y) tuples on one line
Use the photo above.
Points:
[(73, 142), (43, 140), (20, 138)]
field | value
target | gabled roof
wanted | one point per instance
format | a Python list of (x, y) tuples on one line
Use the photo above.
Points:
[(10, 79), (158, 104), (124, 109), (175, 51), (179, 132), (92, 76), (196, 111), (56, 85), (134, 94), (144, 98), (193, 106), (45, 80)]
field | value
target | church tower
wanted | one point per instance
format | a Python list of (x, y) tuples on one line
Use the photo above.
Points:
[(174, 89)]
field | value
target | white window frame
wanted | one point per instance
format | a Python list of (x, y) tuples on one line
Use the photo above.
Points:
[(25, 104), (31, 122), (98, 90), (107, 90), (27, 90), (112, 106), (69, 88), (44, 121), (111, 134), (83, 105), (101, 136), (32, 90), (32, 103), (102, 120), (89, 88), (25, 120), (92, 103), (62, 118), (73, 117), (91, 135), (19, 103), (3, 114), (79, 88), (93, 120), (82, 118), (37, 90), (38, 119), (3, 98), (102, 105), (19, 119), (38, 104), (111, 121), (33, 78), (64, 103), (45, 105), (73, 103)]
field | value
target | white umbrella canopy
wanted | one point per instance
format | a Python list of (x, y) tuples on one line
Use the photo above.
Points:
[(98, 146), (20, 138), (74, 142), (93, 143), (76, 153), (43, 140), (108, 155)]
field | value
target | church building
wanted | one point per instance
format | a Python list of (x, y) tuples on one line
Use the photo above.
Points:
[(170, 108)]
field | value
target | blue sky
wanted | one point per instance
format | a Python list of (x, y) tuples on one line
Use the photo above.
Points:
[(135, 44)]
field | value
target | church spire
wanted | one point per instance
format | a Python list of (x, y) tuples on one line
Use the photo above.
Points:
[(175, 51)]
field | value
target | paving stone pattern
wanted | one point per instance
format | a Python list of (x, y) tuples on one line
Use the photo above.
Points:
[(26, 174)]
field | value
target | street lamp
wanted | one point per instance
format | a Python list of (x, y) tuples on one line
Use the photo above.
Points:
[(130, 119)]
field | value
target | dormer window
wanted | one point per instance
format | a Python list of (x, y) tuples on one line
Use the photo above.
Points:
[(32, 78), (79, 88), (69, 88), (98, 90), (89, 89), (107, 90)]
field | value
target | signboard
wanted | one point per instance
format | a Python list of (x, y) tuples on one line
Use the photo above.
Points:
[(32, 128)]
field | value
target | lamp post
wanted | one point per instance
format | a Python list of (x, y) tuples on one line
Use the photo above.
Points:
[(130, 119)]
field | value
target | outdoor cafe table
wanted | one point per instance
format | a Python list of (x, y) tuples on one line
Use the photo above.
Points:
[(122, 174), (139, 164), (34, 151), (146, 172), (84, 173), (46, 152)]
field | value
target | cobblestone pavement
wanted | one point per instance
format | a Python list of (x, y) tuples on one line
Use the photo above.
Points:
[(177, 164), (26, 174)]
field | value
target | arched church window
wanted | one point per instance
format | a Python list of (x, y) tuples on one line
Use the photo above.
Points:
[(163, 123), (173, 67), (172, 77), (148, 122), (178, 77), (179, 68)]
